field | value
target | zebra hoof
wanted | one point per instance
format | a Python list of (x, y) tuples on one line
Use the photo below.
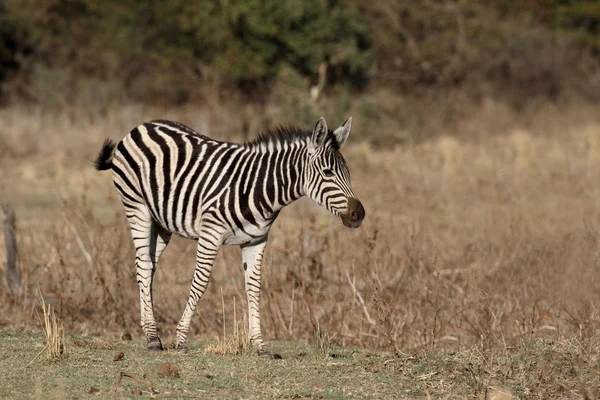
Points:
[(182, 348), (268, 354), (155, 344)]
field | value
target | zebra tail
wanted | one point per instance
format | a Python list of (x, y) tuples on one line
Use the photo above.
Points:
[(104, 159)]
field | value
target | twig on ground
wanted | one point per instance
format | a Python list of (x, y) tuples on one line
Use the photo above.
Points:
[(138, 381)]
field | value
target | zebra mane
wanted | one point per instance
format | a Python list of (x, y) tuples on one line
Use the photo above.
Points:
[(285, 133)]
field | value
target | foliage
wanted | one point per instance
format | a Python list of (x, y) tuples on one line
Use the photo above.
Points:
[(174, 50), (169, 45), (581, 19)]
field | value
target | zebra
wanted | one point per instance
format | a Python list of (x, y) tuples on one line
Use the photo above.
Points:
[(174, 180)]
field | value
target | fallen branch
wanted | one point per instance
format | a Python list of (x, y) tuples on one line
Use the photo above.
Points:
[(138, 381)]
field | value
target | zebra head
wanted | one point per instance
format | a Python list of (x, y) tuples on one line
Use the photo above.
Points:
[(327, 178)]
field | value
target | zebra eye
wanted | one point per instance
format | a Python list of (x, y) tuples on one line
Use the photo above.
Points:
[(327, 172)]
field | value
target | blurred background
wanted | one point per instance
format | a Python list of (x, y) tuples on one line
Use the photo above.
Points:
[(475, 150), (409, 69)]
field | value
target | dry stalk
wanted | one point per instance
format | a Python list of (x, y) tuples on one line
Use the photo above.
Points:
[(79, 241), (223, 309), (291, 325), (434, 329), (533, 319), (359, 299), (278, 312)]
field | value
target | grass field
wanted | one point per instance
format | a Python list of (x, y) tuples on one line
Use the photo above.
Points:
[(482, 244), (535, 369)]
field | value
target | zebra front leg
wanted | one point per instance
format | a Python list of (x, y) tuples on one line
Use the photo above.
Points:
[(252, 259), (149, 240), (208, 248)]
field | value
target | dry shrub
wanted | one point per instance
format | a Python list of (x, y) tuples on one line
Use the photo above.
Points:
[(323, 342)]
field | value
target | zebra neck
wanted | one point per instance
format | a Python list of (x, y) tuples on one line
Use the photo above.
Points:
[(281, 166)]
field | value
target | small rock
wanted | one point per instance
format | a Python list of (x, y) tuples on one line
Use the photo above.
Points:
[(93, 390), (136, 392), (126, 336), (168, 370), (119, 357)]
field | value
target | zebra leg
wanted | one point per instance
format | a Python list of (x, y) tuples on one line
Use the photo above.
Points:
[(252, 260), (208, 248), (149, 240)]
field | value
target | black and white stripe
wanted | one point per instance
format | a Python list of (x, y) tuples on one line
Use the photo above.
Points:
[(172, 180)]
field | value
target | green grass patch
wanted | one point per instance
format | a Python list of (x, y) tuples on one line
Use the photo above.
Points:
[(92, 367)]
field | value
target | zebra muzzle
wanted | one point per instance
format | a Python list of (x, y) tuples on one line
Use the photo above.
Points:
[(355, 215)]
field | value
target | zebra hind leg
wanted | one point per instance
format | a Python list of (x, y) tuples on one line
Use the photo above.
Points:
[(149, 240), (252, 260)]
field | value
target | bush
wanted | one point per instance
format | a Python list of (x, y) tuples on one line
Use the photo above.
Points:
[(170, 43)]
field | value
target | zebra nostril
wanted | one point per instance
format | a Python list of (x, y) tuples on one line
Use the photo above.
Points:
[(354, 216)]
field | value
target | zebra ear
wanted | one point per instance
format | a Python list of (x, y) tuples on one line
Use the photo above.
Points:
[(341, 133), (319, 133)]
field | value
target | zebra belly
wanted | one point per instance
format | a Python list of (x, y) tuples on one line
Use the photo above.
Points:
[(250, 235), (188, 234)]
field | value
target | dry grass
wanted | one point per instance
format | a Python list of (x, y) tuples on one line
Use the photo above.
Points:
[(478, 241), (54, 344), (237, 343)]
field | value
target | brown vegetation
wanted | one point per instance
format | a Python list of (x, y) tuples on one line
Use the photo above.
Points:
[(468, 241)]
